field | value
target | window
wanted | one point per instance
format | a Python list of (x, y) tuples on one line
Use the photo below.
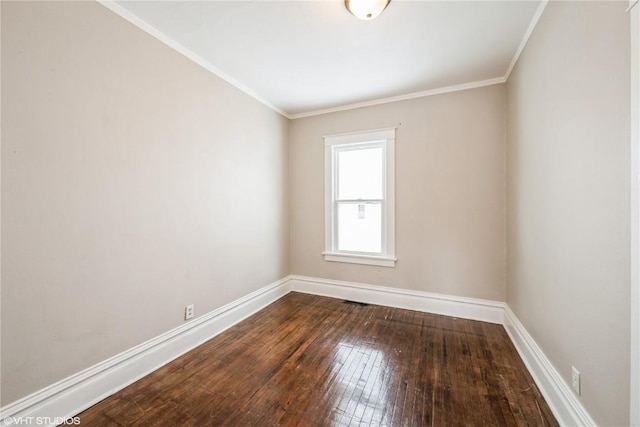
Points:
[(359, 198)]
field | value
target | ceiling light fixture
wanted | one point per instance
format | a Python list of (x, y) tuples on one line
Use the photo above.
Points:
[(366, 9)]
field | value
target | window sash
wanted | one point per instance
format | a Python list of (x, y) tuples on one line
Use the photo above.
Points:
[(336, 201)]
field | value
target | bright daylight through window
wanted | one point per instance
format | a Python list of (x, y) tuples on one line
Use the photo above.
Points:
[(359, 203)]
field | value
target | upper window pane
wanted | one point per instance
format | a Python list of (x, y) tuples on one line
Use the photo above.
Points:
[(360, 173)]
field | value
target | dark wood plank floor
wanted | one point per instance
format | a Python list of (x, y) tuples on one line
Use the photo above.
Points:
[(314, 361)]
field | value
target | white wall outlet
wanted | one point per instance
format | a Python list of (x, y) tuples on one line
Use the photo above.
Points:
[(188, 312), (575, 380)]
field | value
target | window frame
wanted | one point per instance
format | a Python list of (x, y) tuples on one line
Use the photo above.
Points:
[(384, 138)]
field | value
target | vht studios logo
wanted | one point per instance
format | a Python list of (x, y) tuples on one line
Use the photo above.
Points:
[(41, 421)]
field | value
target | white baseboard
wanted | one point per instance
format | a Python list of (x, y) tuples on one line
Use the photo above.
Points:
[(466, 308), (78, 392), (563, 402)]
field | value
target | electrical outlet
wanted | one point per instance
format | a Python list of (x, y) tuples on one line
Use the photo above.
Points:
[(188, 312), (575, 380)]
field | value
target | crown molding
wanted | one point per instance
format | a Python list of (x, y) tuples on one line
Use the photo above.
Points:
[(413, 95), (472, 85), (159, 35), (525, 38)]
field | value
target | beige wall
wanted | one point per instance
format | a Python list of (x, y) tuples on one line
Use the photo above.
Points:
[(450, 193), (134, 182), (568, 198), (634, 395)]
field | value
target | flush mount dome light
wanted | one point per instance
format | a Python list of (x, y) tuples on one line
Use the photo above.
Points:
[(366, 9)]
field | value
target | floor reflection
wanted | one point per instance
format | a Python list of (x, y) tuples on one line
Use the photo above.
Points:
[(362, 373)]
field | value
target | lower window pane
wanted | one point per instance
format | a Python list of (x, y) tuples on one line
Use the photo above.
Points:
[(360, 227)]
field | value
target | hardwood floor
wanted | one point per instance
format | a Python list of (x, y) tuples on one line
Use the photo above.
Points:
[(314, 361)]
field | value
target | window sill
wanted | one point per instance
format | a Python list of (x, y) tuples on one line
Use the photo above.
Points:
[(360, 259)]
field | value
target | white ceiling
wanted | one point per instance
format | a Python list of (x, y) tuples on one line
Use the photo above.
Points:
[(303, 57)]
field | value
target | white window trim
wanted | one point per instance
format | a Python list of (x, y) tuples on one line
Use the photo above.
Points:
[(387, 259)]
